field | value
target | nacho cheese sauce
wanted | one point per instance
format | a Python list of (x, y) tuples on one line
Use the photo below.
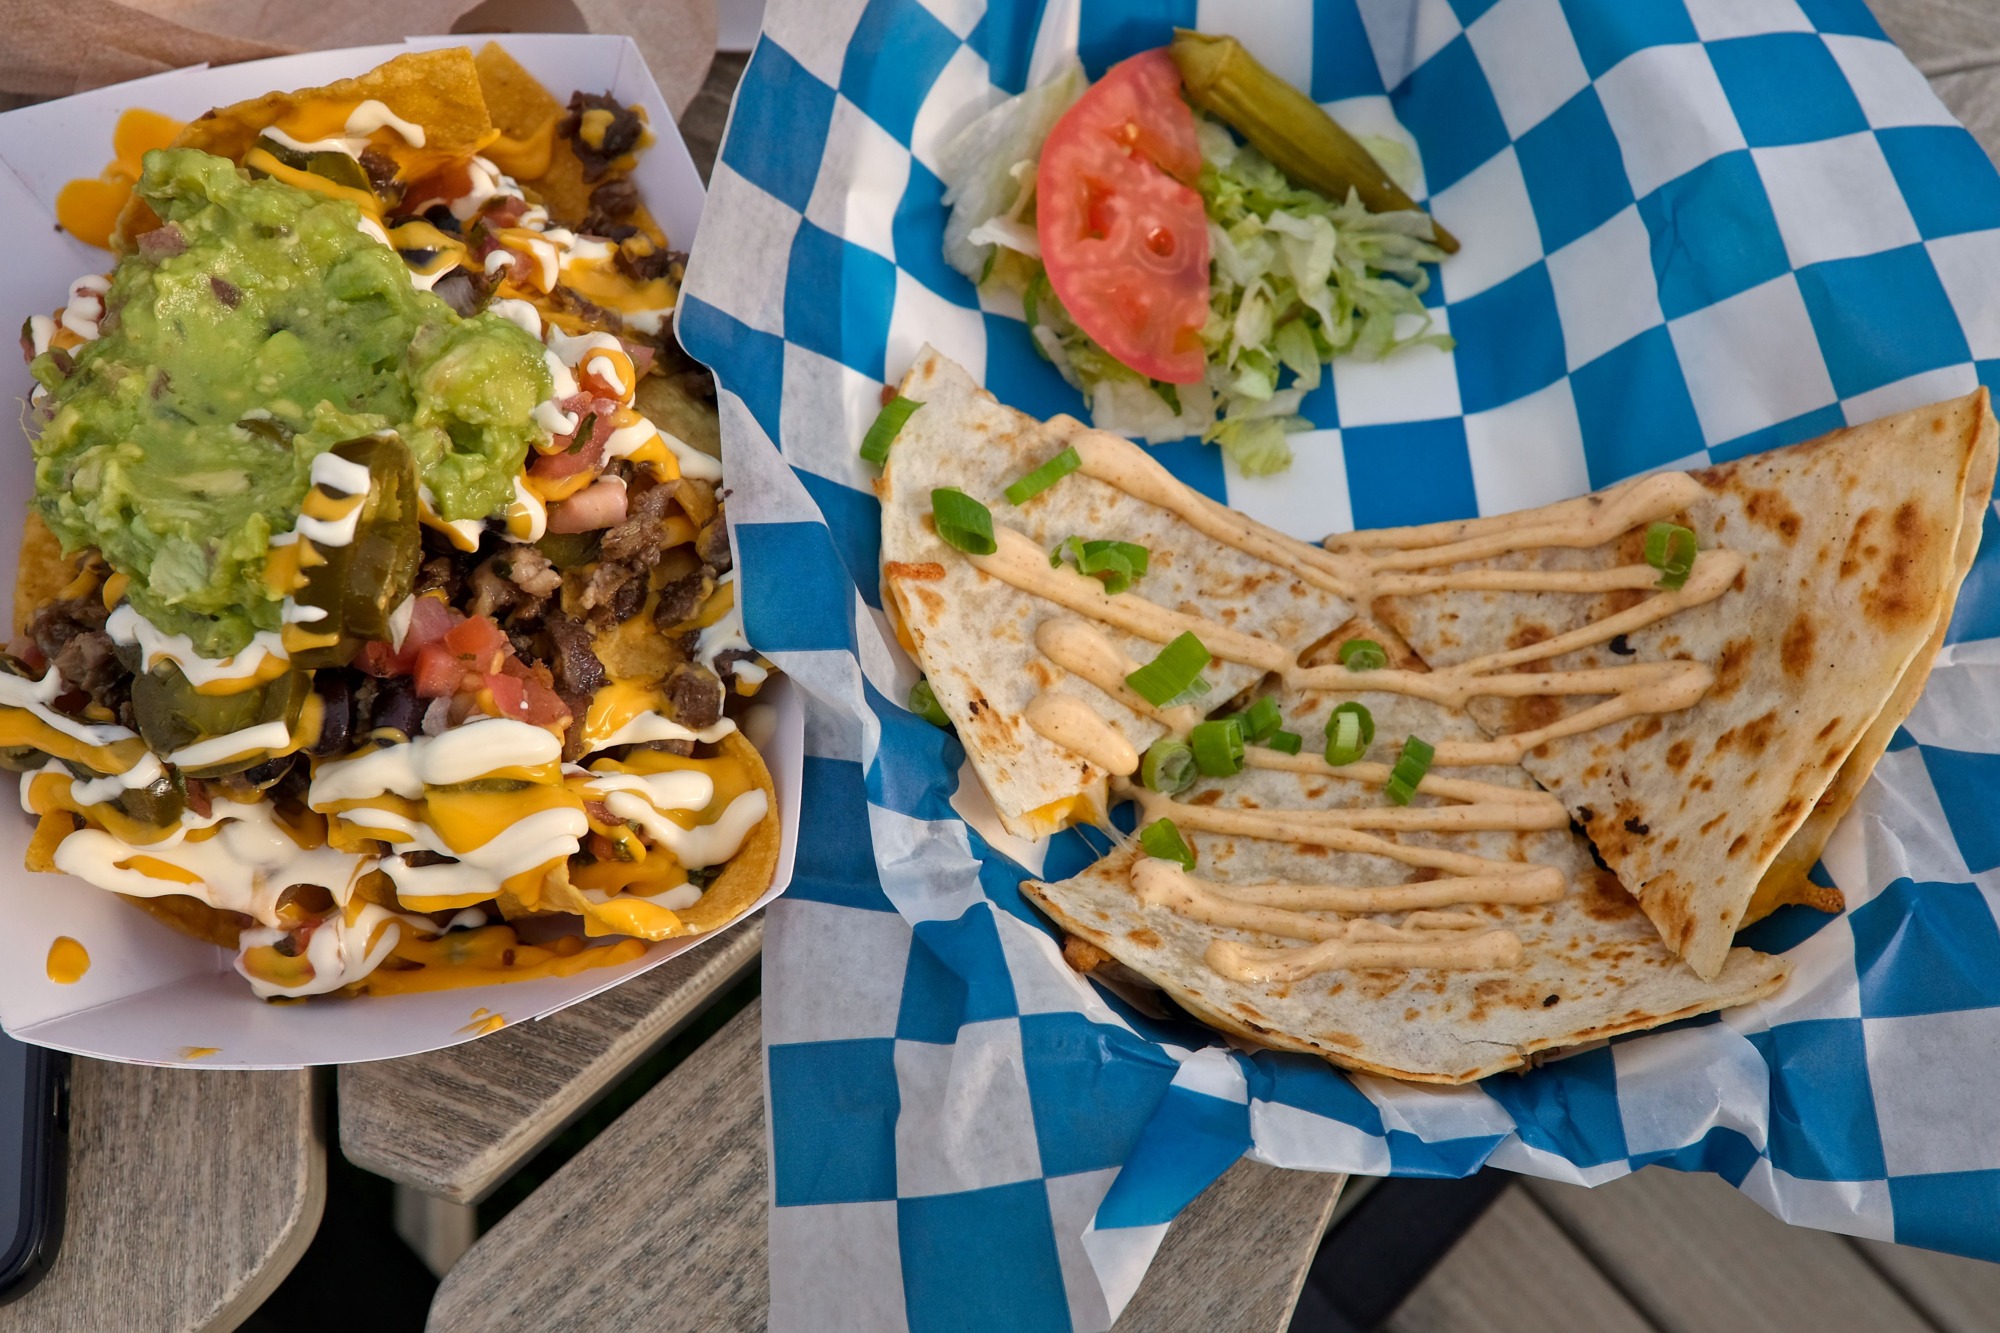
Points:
[(1341, 923), (397, 837), (491, 797)]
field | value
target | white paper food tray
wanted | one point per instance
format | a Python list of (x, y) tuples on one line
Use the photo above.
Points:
[(152, 995)]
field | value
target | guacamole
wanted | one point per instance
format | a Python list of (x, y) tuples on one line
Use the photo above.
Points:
[(260, 328)]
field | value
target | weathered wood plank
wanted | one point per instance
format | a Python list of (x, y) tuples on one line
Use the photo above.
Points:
[(1694, 1256), (641, 1231), (1515, 1272), (1957, 1294), (1236, 1257), (1941, 35), (1956, 43), (455, 1123), (192, 1193), (658, 1224)]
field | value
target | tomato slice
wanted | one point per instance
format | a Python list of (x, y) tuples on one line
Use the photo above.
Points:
[(1123, 234)]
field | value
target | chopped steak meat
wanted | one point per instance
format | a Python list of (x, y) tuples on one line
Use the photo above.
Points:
[(711, 544), (572, 660), (530, 571), (640, 260), (726, 660), (516, 581), (611, 207), (636, 540), (438, 574), (598, 140), (683, 597), (70, 634), (381, 169), (694, 695)]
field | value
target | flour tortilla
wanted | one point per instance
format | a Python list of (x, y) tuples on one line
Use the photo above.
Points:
[(1854, 552), (974, 635), (1786, 881), (1592, 965)]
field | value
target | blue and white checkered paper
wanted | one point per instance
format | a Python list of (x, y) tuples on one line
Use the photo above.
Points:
[(1692, 230)]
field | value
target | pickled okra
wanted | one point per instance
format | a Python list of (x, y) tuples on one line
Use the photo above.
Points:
[(1285, 125)]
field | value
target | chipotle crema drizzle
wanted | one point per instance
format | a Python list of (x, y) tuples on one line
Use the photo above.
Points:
[(1360, 567)]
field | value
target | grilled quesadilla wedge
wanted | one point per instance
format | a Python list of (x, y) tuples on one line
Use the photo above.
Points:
[(1786, 880), (1441, 941), (991, 649), (1693, 732)]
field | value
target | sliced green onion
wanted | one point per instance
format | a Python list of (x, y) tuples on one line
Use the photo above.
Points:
[(1411, 765), (1117, 563), (924, 703), (1162, 838), (1168, 766), (1349, 732), (1670, 548), (1287, 742), (1259, 720), (888, 423), (1218, 747), (1363, 655), (1043, 477), (962, 521), (1173, 673)]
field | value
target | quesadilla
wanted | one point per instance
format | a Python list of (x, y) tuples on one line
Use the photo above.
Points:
[(1825, 576), (992, 650), (1442, 942), (1596, 646)]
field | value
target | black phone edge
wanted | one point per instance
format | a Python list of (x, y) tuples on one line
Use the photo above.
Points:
[(44, 1174)]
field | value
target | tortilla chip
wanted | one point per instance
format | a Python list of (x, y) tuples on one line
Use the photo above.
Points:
[(44, 571), (515, 100), (671, 403), (438, 90), (742, 881), (562, 189), (750, 871), (191, 916)]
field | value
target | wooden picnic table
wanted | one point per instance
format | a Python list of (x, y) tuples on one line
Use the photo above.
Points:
[(192, 1193)]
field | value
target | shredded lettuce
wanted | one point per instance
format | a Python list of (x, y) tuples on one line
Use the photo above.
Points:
[(988, 170), (1295, 280)]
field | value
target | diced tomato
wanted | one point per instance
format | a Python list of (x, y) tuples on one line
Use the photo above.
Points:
[(1123, 233), (510, 696), (506, 210), (438, 672), (567, 462), (544, 705), (479, 639), (379, 659), (525, 700)]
